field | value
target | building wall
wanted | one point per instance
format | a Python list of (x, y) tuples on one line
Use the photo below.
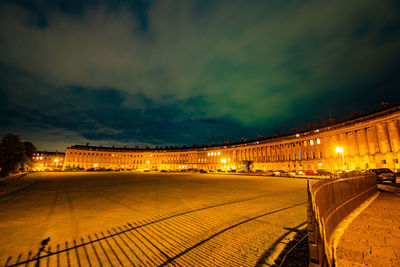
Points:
[(368, 142), (48, 161)]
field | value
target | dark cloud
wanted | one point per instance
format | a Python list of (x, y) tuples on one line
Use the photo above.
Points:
[(183, 72)]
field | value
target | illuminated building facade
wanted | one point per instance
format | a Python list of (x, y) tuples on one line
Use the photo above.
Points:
[(371, 141), (44, 160)]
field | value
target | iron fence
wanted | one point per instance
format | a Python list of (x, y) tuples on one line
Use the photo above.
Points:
[(329, 202)]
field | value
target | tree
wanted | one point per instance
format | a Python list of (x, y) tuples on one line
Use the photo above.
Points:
[(244, 165), (30, 150), (15, 155)]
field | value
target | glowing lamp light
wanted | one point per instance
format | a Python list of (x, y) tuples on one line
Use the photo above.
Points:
[(339, 149), (95, 165), (148, 162)]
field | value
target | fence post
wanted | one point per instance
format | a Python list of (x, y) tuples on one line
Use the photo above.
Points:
[(314, 240)]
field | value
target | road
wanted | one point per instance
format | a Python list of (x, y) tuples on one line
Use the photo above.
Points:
[(148, 219)]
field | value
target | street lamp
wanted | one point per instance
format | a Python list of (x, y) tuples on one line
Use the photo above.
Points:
[(340, 150)]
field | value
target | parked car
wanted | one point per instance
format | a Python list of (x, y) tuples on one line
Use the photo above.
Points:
[(311, 172), (259, 172), (202, 171), (291, 173), (270, 173), (163, 170), (280, 173), (232, 171), (383, 174), (324, 172), (299, 173)]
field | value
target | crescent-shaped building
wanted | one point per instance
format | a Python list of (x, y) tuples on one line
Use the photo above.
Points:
[(369, 141)]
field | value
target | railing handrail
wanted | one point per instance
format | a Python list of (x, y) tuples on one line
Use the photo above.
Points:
[(335, 211)]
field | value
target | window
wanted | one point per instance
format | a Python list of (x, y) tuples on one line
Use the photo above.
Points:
[(311, 142), (318, 141)]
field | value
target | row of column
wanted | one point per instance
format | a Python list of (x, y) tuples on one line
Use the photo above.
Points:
[(378, 138)]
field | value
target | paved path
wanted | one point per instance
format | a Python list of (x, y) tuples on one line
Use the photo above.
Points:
[(148, 219), (372, 239)]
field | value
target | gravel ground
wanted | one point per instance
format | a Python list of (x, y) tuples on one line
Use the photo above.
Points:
[(372, 239), (149, 219), (12, 184)]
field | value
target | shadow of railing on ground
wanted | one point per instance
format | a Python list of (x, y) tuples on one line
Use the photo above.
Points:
[(157, 241)]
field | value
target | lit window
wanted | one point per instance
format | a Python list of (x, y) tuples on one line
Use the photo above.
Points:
[(208, 154), (311, 142), (318, 141), (219, 153)]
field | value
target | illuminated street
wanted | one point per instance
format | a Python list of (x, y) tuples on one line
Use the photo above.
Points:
[(149, 218)]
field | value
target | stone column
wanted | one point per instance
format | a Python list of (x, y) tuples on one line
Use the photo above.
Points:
[(352, 145), (362, 141), (372, 140), (383, 137), (393, 129)]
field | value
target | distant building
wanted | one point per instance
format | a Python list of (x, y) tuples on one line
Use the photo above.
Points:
[(370, 141), (44, 160)]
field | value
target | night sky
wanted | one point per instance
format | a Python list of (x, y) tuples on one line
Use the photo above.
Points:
[(129, 73)]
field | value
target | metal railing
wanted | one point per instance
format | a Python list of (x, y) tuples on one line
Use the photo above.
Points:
[(329, 202)]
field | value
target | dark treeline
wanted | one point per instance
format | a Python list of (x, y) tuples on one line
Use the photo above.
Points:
[(15, 155)]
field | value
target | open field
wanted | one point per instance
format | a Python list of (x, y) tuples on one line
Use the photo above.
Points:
[(149, 219)]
